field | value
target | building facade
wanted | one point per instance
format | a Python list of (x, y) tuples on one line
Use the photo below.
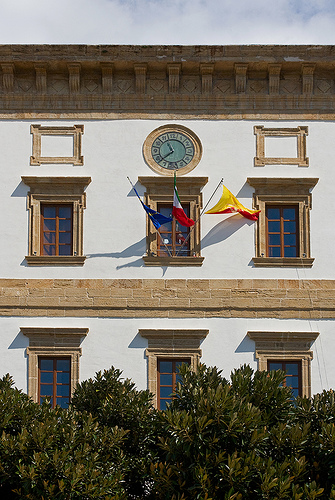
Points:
[(86, 281)]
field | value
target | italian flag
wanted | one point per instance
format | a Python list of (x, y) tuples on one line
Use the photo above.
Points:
[(177, 210)]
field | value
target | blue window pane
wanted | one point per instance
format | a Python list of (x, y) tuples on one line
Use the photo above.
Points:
[(165, 367), (65, 250), (49, 211), (273, 213), (274, 252), (295, 392), (63, 365), (49, 250), (65, 225), (49, 238), (165, 392), (290, 252), (166, 379), (274, 239), (64, 212), (290, 239), (63, 390), (274, 226), (275, 366), (49, 225), (65, 238), (46, 364), (289, 213), (63, 378), (289, 226), (47, 377), (163, 403), (46, 390), (292, 369), (292, 381), (62, 402)]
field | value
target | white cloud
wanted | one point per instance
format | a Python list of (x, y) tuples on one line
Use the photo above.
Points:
[(168, 21)]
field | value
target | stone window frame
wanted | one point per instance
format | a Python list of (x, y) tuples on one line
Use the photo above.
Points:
[(160, 190), (163, 344), (67, 190), (300, 133), (283, 191), (289, 346), (76, 131), (52, 342)]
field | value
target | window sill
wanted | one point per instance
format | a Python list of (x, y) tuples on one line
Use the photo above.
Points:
[(283, 261), (173, 261), (61, 260)]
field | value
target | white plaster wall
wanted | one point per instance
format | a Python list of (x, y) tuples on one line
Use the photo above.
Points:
[(114, 222), (117, 342)]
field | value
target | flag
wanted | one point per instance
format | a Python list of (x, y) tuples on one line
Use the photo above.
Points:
[(178, 211), (229, 204), (156, 218)]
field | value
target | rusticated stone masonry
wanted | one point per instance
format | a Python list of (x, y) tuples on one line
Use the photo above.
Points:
[(174, 298)]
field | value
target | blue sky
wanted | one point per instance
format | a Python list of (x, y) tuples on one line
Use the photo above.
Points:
[(168, 21)]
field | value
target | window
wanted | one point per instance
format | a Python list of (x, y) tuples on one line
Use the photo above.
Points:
[(167, 378), (287, 351), (54, 376), (53, 362), (173, 239), (282, 231), (293, 374), (159, 196), (172, 347), (56, 229), (283, 227), (56, 211)]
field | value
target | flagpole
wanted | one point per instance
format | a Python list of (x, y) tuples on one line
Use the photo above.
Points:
[(132, 185), (201, 213)]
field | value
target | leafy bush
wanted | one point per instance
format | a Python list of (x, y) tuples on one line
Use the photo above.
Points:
[(114, 401), (239, 439), (56, 454)]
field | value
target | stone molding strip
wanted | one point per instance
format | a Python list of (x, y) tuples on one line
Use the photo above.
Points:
[(172, 298)]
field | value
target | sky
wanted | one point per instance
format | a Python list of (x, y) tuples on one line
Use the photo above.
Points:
[(178, 22)]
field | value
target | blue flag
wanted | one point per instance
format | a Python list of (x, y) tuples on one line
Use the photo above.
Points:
[(156, 218)]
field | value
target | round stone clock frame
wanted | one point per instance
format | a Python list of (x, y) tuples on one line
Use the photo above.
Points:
[(172, 147)]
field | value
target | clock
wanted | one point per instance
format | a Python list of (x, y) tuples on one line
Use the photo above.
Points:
[(172, 147)]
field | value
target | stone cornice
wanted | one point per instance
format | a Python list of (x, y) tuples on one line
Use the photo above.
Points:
[(285, 185), (164, 81), (45, 183)]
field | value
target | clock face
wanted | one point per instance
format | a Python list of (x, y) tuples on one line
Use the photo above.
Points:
[(172, 147), (172, 150)]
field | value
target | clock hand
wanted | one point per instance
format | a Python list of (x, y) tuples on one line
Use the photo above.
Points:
[(170, 153), (171, 148)]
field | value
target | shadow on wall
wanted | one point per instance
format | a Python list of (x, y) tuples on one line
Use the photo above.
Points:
[(247, 345), (21, 190), (224, 230), (137, 249)]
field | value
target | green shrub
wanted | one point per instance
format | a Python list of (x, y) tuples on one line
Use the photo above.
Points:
[(114, 401)]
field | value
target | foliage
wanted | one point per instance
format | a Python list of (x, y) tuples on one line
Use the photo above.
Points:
[(55, 454), (237, 440), (114, 401), (240, 439)]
